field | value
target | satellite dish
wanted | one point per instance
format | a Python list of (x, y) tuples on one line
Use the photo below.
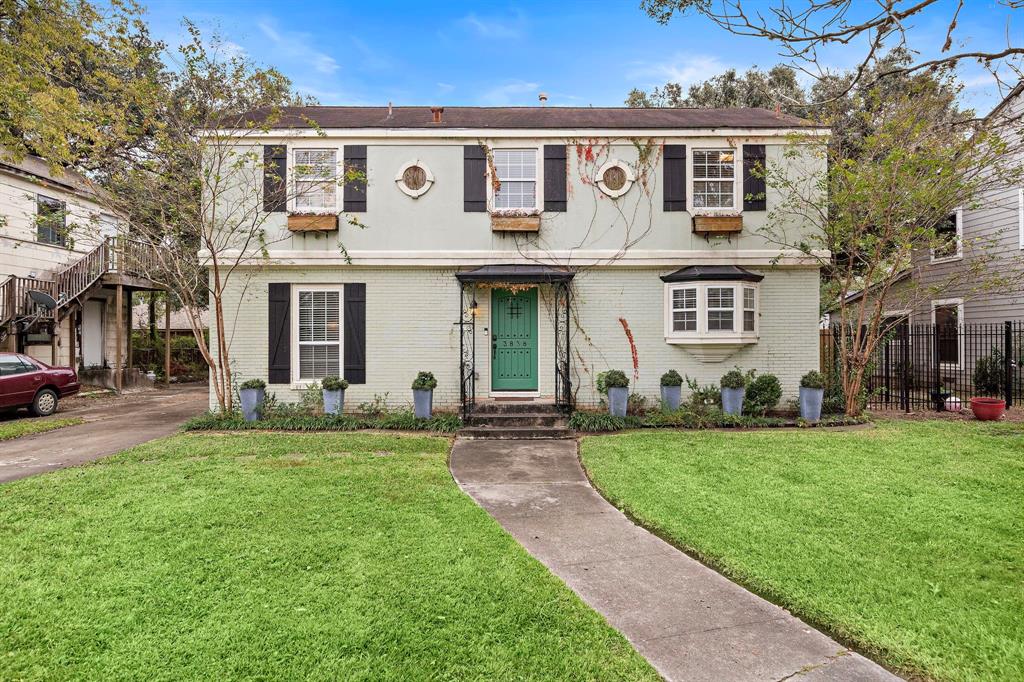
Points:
[(41, 298)]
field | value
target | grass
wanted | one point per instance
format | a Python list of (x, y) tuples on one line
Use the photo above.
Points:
[(904, 539), (16, 428), (274, 556)]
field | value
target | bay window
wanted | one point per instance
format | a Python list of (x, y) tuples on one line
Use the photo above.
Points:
[(712, 310)]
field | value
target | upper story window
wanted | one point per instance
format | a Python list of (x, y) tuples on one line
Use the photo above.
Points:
[(516, 171), (949, 237), (315, 179), (714, 179), (51, 221)]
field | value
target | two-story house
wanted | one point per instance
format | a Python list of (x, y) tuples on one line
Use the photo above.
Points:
[(518, 252), (58, 237)]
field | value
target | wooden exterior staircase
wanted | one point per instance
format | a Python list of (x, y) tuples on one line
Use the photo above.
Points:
[(115, 261)]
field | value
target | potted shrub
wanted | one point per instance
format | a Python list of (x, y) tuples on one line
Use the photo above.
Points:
[(671, 390), (734, 388), (617, 385), (423, 394), (334, 394), (812, 393), (988, 409), (251, 394)]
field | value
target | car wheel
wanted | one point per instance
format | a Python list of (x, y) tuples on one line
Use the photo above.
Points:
[(45, 403)]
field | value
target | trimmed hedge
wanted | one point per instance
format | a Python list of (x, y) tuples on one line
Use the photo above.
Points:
[(598, 422), (393, 421)]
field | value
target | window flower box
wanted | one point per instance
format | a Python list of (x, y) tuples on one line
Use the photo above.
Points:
[(515, 220), (312, 222), (717, 224)]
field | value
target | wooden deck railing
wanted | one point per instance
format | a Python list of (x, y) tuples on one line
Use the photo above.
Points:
[(114, 255)]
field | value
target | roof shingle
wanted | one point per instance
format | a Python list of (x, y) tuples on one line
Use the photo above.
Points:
[(606, 118)]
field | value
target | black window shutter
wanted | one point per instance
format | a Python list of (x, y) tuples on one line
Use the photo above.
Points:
[(554, 178), (474, 179), (675, 177), (275, 174), (279, 364), (355, 190), (355, 333), (753, 187)]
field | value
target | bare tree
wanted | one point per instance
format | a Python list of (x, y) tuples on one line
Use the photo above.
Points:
[(802, 28), (200, 191)]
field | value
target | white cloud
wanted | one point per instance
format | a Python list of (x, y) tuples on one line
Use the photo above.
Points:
[(512, 92), (494, 27), (680, 68), (298, 47)]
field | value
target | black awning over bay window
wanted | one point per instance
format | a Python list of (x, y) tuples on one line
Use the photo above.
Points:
[(712, 273)]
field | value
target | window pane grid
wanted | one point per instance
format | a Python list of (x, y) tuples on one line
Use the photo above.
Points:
[(516, 170), (714, 178), (684, 310), (316, 175), (720, 308)]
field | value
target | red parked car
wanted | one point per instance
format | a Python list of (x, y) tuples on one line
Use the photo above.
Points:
[(27, 382)]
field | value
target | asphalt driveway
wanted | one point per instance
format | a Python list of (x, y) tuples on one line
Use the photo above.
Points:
[(111, 424)]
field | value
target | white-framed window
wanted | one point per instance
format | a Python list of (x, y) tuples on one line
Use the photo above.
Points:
[(950, 235), (516, 171), (713, 180), (315, 180), (948, 318), (317, 350), (749, 309), (684, 309), (711, 311)]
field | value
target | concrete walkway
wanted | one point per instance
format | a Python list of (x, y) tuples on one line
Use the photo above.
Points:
[(687, 620), (111, 424)]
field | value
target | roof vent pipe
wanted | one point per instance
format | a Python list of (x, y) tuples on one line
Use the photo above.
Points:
[(543, 97), (437, 111), (389, 109)]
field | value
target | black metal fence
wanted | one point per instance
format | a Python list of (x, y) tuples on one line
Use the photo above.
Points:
[(922, 366)]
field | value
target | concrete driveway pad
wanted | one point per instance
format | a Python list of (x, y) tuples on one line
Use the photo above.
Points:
[(690, 622)]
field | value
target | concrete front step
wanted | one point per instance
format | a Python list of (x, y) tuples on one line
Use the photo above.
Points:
[(516, 419), (516, 432), (517, 407)]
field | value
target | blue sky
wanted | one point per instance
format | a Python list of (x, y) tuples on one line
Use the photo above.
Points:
[(498, 53)]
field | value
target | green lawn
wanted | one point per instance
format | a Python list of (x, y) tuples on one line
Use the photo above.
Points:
[(906, 539), (17, 427), (278, 556)]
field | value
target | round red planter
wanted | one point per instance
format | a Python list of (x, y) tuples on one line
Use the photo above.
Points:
[(988, 409)]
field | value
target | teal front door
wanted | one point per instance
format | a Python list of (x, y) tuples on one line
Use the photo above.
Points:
[(513, 340)]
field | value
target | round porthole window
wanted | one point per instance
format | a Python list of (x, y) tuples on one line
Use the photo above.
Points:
[(615, 178), (414, 178)]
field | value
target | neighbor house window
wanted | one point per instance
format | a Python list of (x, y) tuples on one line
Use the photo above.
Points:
[(714, 178), (51, 221), (516, 171), (947, 316), (712, 310), (949, 237), (319, 322), (316, 179)]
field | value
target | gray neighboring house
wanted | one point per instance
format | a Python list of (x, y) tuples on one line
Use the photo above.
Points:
[(995, 228)]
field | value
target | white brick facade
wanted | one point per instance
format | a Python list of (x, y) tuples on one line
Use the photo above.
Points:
[(412, 315)]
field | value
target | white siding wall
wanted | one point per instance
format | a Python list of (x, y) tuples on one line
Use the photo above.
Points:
[(411, 315)]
